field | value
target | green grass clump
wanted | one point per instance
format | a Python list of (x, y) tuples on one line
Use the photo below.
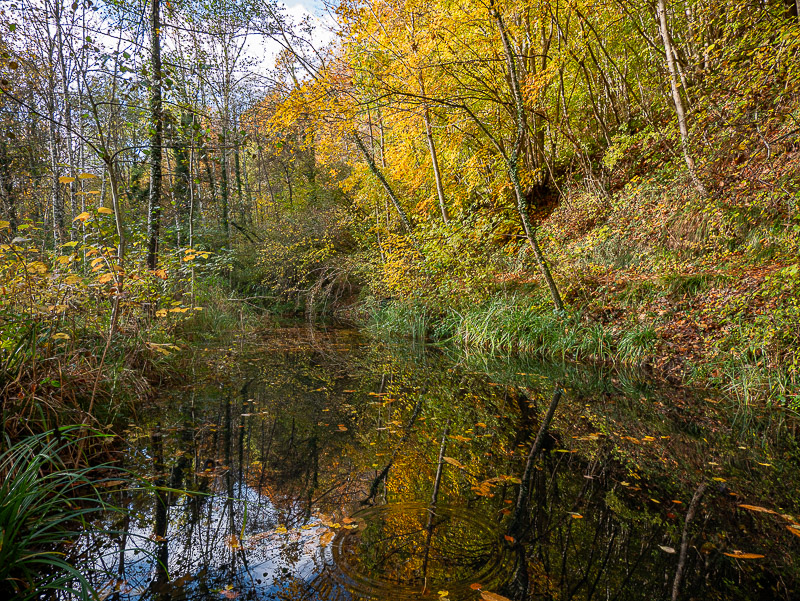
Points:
[(43, 504)]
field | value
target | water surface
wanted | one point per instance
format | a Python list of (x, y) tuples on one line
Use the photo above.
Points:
[(308, 464)]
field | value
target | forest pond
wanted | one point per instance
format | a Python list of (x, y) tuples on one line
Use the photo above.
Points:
[(321, 464)]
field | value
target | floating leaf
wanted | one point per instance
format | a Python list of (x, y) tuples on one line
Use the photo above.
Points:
[(476, 586), (455, 462), (741, 555), (487, 596), (757, 509), (510, 539), (342, 428), (575, 516), (326, 538)]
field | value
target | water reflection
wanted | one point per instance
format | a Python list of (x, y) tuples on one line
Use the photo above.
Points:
[(326, 467)]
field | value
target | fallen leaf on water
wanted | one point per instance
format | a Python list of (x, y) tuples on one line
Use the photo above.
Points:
[(510, 539), (666, 549), (476, 586), (342, 428), (326, 538), (741, 555), (575, 516), (347, 520), (455, 462), (487, 596), (757, 508)]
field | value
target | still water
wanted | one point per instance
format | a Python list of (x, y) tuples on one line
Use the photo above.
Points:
[(307, 464)]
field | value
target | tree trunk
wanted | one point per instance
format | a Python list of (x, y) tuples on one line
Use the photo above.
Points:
[(437, 176), (512, 161), (680, 111), (157, 123), (377, 173)]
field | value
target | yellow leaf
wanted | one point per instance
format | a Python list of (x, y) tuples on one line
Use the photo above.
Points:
[(87, 176), (326, 538), (189, 257), (4, 224), (455, 462), (105, 278), (105, 211), (281, 529), (64, 179), (83, 216), (161, 313), (72, 279), (61, 336), (741, 555), (757, 509)]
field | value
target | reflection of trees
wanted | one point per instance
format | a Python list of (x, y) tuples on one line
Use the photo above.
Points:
[(271, 452)]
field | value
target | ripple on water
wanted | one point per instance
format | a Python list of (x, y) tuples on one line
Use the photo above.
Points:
[(410, 551)]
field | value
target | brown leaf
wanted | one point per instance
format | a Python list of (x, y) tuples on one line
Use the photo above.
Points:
[(741, 555), (794, 530), (487, 596)]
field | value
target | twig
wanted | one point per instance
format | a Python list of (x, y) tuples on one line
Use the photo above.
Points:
[(676, 585)]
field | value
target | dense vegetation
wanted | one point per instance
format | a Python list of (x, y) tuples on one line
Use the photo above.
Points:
[(614, 182)]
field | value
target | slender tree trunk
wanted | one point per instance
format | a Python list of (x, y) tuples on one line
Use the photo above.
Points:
[(7, 188), (378, 174), (437, 176), (223, 185), (680, 111), (157, 124), (513, 161)]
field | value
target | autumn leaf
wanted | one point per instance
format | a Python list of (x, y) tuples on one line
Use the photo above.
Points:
[(454, 462), (666, 549), (64, 179), (794, 530), (82, 217), (487, 596), (87, 176), (757, 509), (741, 555), (105, 211)]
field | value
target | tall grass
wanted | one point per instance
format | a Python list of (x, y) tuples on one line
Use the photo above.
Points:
[(43, 504), (511, 324)]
